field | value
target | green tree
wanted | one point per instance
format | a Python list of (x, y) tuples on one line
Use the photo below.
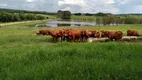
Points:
[(64, 14)]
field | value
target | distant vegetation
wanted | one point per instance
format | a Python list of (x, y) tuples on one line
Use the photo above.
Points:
[(25, 11), (116, 20), (108, 18), (84, 18), (105, 19), (64, 14), (104, 14), (10, 15)]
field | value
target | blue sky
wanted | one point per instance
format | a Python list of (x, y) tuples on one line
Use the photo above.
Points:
[(84, 6)]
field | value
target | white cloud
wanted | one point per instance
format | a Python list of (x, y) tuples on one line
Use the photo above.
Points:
[(3, 4), (124, 1), (121, 1), (71, 1), (89, 6), (29, 0), (85, 6), (109, 1), (72, 5)]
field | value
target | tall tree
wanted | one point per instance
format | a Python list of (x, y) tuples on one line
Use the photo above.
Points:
[(64, 14)]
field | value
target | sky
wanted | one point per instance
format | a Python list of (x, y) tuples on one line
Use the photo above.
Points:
[(76, 6)]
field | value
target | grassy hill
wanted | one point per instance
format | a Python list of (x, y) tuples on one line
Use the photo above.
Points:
[(26, 56)]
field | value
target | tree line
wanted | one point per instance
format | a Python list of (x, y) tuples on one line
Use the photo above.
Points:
[(12, 17), (26, 11), (91, 14), (116, 20)]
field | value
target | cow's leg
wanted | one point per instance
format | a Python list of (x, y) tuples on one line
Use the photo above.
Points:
[(56, 39), (73, 39), (111, 39), (61, 38), (53, 39), (82, 38), (69, 39)]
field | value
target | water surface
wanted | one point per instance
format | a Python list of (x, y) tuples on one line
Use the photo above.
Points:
[(67, 23)]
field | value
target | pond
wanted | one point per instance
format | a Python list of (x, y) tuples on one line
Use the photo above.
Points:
[(66, 23)]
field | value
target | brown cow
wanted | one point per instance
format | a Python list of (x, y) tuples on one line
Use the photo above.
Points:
[(55, 34), (65, 34), (104, 34), (132, 33), (96, 33), (74, 35), (112, 35), (87, 34), (84, 35), (42, 32)]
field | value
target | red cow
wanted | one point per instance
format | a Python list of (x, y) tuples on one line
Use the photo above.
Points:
[(55, 34), (43, 32), (74, 35), (96, 33), (65, 34), (112, 35), (132, 33), (84, 35), (87, 34), (104, 34)]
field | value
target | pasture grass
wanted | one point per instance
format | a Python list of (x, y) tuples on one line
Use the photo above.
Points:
[(83, 18), (26, 56)]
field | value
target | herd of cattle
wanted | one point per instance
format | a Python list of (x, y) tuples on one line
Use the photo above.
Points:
[(83, 35)]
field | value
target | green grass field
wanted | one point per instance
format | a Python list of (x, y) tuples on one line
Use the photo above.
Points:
[(25, 56), (83, 18)]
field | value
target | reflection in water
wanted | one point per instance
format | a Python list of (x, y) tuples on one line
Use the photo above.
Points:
[(69, 23), (77, 24), (63, 25)]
